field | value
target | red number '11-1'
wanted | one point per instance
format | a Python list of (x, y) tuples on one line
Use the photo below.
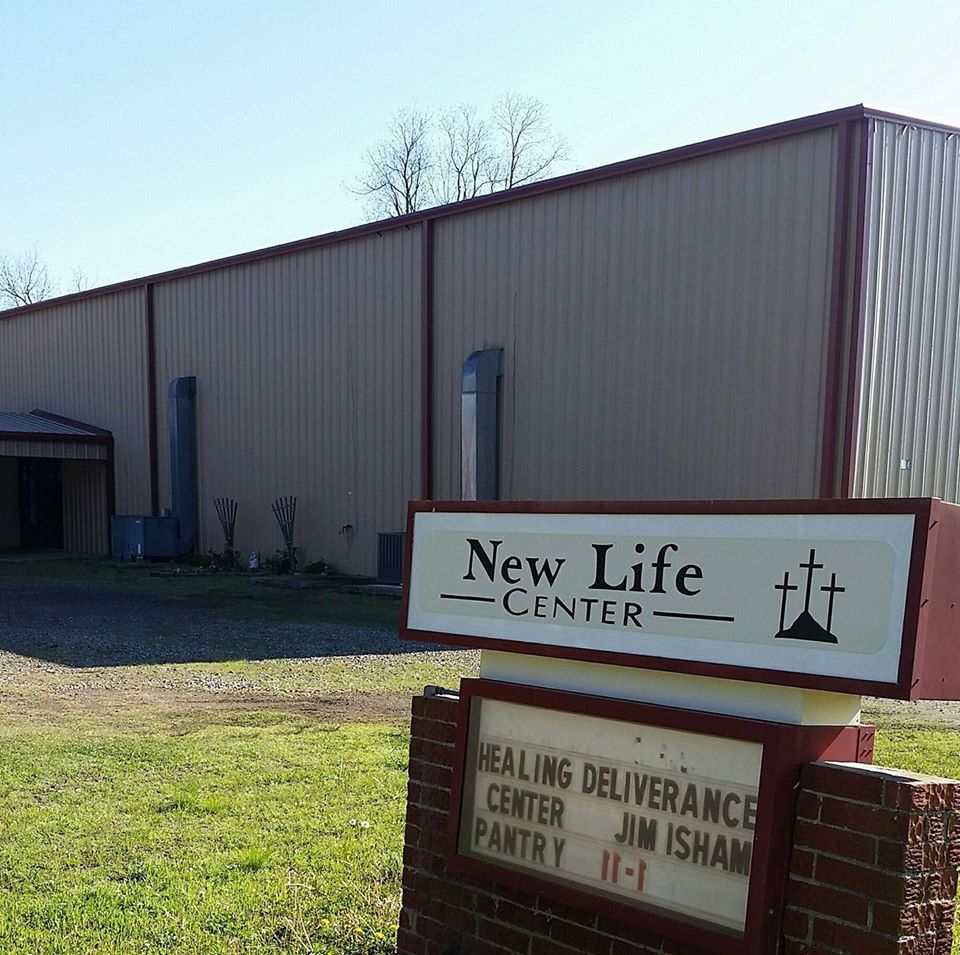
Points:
[(610, 870)]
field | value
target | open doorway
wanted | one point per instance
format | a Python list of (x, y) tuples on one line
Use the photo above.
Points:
[(41, 503)]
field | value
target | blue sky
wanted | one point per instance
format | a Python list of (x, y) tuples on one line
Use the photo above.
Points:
[(139, 137)]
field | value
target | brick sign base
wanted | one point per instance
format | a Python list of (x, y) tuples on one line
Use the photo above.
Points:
[(874, 869)]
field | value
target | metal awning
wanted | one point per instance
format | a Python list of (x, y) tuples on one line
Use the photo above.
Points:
[(41, 434)]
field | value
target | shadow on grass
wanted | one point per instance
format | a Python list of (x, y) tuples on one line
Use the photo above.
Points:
[(81, 615)]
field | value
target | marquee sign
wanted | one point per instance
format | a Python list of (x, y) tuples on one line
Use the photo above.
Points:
[(659, 817), (645, 813), (841, 595)]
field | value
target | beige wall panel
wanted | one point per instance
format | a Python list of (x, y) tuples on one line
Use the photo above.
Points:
[(85, 507), (86, 360), (910, 386), (664, 332), (53, 449), (9, 504), (308, 377)]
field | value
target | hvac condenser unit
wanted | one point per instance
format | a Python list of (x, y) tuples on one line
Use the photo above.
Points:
[(138, 537)]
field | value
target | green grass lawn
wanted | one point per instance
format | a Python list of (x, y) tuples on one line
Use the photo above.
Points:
[(263, 833), (934, 752)]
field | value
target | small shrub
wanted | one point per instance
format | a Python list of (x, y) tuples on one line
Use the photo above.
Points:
[(197, 561), (212, 560), (319, 567), (228, 559), (279, 562)]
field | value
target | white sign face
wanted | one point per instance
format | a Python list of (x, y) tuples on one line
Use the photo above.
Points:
[(820, 594), (652, 816)]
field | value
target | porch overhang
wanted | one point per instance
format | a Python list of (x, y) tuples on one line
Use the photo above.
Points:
[(41, 434)]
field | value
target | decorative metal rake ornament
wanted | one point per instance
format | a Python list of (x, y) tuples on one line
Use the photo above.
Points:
[(285, 511), (227, 512)]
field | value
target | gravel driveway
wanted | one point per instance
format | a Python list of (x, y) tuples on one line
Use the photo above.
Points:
[(79, 648), (83, 624)]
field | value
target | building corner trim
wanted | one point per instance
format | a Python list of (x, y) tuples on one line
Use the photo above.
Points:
[(151, 384), (426, 359), (838, 296), (851, 431)]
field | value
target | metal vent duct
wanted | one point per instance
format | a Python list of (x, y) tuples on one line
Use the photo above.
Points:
[(480, 425), (182, 407)]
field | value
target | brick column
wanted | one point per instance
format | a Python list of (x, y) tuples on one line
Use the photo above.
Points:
[(874, 868)]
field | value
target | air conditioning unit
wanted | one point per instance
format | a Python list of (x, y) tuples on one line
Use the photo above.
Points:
[(390, 557), (137, 537)]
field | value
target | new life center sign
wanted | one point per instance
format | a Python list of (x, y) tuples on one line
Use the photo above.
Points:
[(815, 594), (678, 819)]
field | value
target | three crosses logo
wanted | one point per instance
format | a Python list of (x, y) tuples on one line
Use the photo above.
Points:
[(805, 626)]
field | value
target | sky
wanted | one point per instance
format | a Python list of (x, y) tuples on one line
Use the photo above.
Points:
[(140, 137)]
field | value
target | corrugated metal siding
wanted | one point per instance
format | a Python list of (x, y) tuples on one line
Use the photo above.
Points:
[(52, 449), (665, 332), (308, 378), (910, 386), (86, 360), (84, 507), (9, 504)]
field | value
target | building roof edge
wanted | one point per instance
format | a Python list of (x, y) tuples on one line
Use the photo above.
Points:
[(666, 157)]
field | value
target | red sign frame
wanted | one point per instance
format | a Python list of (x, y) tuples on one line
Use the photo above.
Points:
[(785, 748), (931, 631)]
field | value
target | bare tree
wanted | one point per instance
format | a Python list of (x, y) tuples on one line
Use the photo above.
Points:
[(24, 280), (79, 281), (397, 168), (458, 155), (465, 156), (528, 147)]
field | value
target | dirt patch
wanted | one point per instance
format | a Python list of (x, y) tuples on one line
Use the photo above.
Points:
[(926, 714), (126, 709)]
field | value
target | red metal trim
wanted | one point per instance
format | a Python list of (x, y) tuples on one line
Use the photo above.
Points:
[(855, 353), (407, 564), (939, 610), (785, 748), (863, 505), (426, 359), (111, 492), (838, 296), (151, 387), (906, 687), (69, 422), (708, 147)]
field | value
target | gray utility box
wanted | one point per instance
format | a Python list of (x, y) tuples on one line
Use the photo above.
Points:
[(138, 537)]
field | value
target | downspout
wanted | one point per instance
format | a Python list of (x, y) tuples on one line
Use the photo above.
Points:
[(182, 413), (480, 426)]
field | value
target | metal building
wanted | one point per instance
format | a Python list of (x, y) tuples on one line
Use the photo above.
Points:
[(770, 314)]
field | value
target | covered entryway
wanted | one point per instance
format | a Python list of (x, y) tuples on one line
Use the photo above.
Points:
[(56, 483)]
